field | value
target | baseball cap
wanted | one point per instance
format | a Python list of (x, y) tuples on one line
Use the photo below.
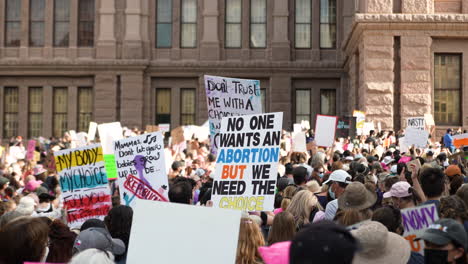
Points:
[(349, 158), (453, 170), (339, 176), (399, 189), (99, 238), (444, 231), (387, 160)]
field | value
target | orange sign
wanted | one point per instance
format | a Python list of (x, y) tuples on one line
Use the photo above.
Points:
[(460, 140)]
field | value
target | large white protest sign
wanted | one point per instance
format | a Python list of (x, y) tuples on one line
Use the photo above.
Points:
[(247, 163), (83, 179), (92, 131), (141, 168), (325, 128), (416, 137), (230, 97), (416, 122), (109, 132), (155, 222), (299, 142), (415, 220)]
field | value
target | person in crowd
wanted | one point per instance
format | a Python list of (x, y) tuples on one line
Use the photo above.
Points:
[(462, 192), (4, 182), (250, 239), (98, 238), (300, 176), (119, 224), (434, 183), (456, 178), (323, 242), (93, 256), (287, 197), (354, 204), (453, 207), (337, 183), (61, 241), (403, 195), (93, 222), (305, 208), (448, 140), (283, 228), (181, 192), (24, 240)]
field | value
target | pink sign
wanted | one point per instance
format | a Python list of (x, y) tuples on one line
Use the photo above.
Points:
[(31, 148)]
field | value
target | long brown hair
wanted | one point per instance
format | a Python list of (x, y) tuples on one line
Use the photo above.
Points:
[(250, 239), (283, 228), (350, 217), (61, 242), (23, 239)]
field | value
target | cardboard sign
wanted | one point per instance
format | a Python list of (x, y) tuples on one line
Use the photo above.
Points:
[(83, 179), (460, 140), (207, 226), (343, 127), (247, 163), (299, 142), (416, 136), (31, 149), (109, 132), (151, 128), (177, 136), (92, 131), (415, 220), (230, 97), (416, 122), (429, 119), (141, 168), (325, 128), (360, 120)]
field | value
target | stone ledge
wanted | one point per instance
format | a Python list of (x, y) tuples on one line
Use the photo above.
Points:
[(421, 18)]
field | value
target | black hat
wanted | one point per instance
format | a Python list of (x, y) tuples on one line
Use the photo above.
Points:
[(93, 222), (444, 231), (323, 242), (282, 183)]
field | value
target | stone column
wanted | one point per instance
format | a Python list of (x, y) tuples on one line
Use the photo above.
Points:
[(106, 44), (376, 79), (131, 106), (280, 98), (47, 111), (72, 111), (280, 45), (49, 29), (416, 86), (105, 98), (210, 43), (132, 46), (417, 6), (73, 36)]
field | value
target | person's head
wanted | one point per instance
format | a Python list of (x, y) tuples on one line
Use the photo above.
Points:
[(283, 228), (298, 157), (250, 239), (119, 224), (98, 238), (388, 183), (323, 242), (313, 186), (403, 195), (338, 181), (177, 166), (446, 236), (453, 207), (301, 206), (181, 192), (433, 182), (449, 131), (61, 242), (92, 223), (287, 196), (300, 175), (349, 217), (3, 183), (390, 217), (24, 239), (7, 206), (463, 193), (93, 256), (378, 245)]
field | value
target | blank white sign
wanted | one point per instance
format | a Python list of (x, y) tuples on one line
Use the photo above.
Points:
[(325, 130), (180, 234)]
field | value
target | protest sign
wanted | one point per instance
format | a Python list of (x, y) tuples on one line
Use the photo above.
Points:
[(360, 119), (297, 128), (299, 142), (151, 128), (154, 222), (368, 126), (230, 97), (31, 149), (416, 136), (92, 131), (460, 140), (416, 122), (177, 136), (109, 132), (343, 126), (429, 119), (403, 146), (325, 128), (164, 128), (379, 126), (83, 179), (81, 139), (141, 168), (73, 138), (305, 124), (247, 163), (415, 220)]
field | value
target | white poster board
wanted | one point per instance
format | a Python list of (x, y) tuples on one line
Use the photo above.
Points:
[(299, 142), (415, 220), (141, 168), (247, 163), (109, 132), (230, 97), (211, 234), (325, 129), (416, 122), (297, 128), (92, 131), (416, 136)]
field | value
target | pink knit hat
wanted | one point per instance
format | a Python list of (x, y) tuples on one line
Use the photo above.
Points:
[(277, 253), (32, 185)]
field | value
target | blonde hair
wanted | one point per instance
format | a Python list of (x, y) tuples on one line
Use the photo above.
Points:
[(288, 194), (250, 239), (301, 206), (313, 186)]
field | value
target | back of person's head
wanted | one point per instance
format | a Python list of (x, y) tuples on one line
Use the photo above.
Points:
[(390, 217), (93, 256), (300, 175), (462, 192), (176, 165), (61, 242), (287, 196), (301, 206), (92, 223), (455, 183), (283, 228), (119, 223), (389, 181), (433, 182), (26, 206), (180, 193), (453, 207), (250, 238), (323, 242), (348, 217), (23, 239), (298, 157)]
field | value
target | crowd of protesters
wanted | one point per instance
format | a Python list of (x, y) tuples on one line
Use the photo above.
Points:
[(332, 205)]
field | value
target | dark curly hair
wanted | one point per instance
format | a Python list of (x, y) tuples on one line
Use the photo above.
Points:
[(119, 224), (453, 207)]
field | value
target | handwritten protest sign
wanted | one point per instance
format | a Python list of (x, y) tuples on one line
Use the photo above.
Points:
[(83, 179), (141, 168), (216, 228), (460, 140), (325, 128), (230, 97), (247, 163), (429, 119), (416, 122), (360, 120), (343, 126), (415, 221), (31, 149), (109, 132), (299, 142), (416, 137)]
